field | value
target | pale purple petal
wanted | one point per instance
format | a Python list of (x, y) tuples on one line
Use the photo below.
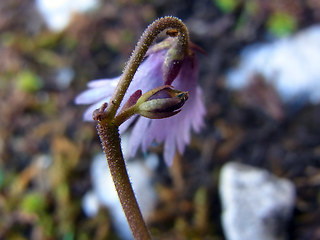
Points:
[(149, 74), (185, 125), (138, 132), (124, 126), (93, 95), (169, 149), (98, 89), (182, 140), (181, 126), (157, 131), (147, 77), (104, 82), (201, 111)]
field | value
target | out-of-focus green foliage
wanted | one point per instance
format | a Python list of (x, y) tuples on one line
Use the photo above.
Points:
[(28, 81), (281, 24), (226, 6), (68, 236), (33, 203), (1, 177)]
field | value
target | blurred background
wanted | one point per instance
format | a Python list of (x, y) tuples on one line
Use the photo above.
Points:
[(262, 110)]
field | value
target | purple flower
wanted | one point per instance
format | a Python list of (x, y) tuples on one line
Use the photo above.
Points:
[(174, 131)]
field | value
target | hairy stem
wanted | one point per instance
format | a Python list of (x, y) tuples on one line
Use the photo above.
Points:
[(138, 55), (109, 137), (108, 124)]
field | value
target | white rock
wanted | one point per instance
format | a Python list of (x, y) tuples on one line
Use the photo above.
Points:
[(290, 64), (90, 204), (256, 204), (64, 77), (103, 188), (57, 13)]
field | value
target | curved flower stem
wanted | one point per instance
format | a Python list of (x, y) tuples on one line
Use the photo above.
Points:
[(138, 55), (125, 115), (107, 122)]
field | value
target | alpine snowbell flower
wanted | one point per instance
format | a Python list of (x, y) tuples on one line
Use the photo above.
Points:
[(161, 67)]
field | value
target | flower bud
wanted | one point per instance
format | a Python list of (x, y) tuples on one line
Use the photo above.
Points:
[(161, 102), (173, 62)]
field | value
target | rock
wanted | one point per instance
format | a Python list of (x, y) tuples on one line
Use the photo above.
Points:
[(289, 64), (256, 204), (58, 14)]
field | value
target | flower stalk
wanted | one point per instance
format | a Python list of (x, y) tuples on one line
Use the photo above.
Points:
[(108, 123)]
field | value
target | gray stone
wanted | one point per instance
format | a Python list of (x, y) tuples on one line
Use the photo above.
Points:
[(256, 204)]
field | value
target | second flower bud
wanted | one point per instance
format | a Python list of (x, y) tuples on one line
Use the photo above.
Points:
[(161, 102)]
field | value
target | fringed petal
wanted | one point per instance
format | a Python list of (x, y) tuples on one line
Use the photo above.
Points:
[(138, 133), (169, 149), (93, 95), (104, 82), (197, 122), (124, 126)]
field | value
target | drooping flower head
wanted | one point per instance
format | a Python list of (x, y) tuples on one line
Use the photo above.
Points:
[(155, 71)]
